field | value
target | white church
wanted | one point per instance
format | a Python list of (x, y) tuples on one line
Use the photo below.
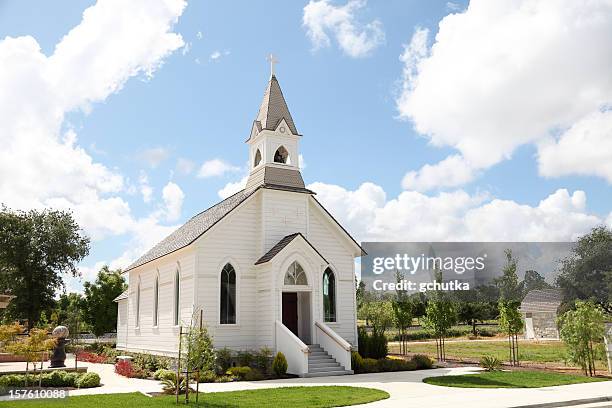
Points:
[(268, 266)]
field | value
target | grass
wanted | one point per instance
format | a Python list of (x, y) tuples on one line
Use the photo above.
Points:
[(550, 351), (509, 379), (294, 397)]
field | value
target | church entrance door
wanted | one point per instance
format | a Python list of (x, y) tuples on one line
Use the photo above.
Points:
[(290, 311)]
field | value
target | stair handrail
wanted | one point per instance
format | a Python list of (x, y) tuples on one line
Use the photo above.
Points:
[(334, 336)]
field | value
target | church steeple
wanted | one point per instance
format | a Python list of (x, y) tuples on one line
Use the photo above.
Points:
[(273, 110), (274, 143)]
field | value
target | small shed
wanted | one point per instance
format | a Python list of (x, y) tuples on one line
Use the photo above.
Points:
[(539, 309), (5, 300)]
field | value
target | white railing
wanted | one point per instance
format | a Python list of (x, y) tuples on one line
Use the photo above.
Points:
[(294, 349), (335, 345)]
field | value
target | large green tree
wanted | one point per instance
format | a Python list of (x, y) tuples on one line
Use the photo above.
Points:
[(100, 309), (37, 248), (532, 281), (587, 273)]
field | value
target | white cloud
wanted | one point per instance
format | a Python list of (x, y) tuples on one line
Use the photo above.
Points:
[(216, 168), (145, 188), (186, 49), (453, 6), (199, 35), (173, 198), (233, 187), (455, 216), (185, 166), (41, 166), (154, 156), (322, 20), (504, 74), (216, 55), (450, 172), (585, 148)]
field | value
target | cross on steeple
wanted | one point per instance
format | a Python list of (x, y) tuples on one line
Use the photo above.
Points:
[(273, 61)]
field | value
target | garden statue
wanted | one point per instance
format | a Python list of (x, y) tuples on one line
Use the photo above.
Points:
[(59, 353)]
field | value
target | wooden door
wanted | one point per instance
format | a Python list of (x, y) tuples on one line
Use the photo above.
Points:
[(290, 311)]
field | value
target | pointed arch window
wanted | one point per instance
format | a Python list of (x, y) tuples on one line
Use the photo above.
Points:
[(228, 295), (177, 294), (156, 301), (329, 296), (257, 159), (281, 155), (295, 275), (138, 303)]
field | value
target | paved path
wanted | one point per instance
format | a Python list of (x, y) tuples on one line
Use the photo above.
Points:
[(406, 388)]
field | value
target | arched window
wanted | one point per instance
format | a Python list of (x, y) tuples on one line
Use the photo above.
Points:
[(177, 293), (329, 296), (156, 301), (138, 303), (228, 295), (295, 275), (257, 158), (281, 155)]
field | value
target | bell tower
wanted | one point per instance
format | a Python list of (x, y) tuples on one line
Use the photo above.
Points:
[(274, 143)]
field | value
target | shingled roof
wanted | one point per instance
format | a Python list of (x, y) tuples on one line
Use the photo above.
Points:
[(280, 245), (542, 300), (193, 229), (273, 109)]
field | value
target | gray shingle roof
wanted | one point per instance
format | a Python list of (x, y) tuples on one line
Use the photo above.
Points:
[(193, 229), (273, 108), (280, 245), (544, 300)]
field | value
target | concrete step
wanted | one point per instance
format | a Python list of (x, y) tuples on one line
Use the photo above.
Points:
[(327, 374), (337, 367), (323, 363), (317, 358), (314, 345), (318, 353)]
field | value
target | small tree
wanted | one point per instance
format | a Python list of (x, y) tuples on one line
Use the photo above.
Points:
[(279, 365), (32, 347), (440, 316), (380, 316), (582, 330), (8, 334), (402, 313), (511, 323)]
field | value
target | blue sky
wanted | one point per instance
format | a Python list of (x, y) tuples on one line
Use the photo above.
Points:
[(200, 103)]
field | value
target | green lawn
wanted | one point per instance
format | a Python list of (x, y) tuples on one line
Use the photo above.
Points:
[(294, 397), (549, 351), (509, 379)]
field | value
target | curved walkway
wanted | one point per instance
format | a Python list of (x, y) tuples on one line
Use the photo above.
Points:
[(406, 388)]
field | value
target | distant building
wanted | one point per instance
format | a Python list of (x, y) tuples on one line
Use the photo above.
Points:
[(5, 300), (539, 310)]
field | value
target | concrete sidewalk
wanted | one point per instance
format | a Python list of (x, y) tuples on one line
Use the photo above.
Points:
[(406, 388)]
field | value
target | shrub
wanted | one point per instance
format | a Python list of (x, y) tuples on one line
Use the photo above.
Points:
[(422, 361), (150, 362), (162, 373), (370, 365), (124, 368), (171, 384), (91, 357), (52, 379), (372, 345), (356, 361), (88, 380), (224, 378), (262, 359), (490, 363), (389, 364), (208, 377), (245, 373), (224, 359), (279, 365), (245, 358)]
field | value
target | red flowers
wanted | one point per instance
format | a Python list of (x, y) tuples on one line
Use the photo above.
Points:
[(91, 357), (124, 368)]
